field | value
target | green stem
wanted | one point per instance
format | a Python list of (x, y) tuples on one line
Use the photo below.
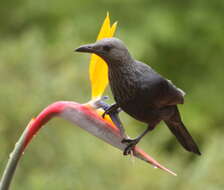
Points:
[(12, 162)]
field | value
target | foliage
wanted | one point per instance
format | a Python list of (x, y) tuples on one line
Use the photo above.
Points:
[(183, 40)]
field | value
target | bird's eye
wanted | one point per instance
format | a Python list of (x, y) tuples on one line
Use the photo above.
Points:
[(106, 48)]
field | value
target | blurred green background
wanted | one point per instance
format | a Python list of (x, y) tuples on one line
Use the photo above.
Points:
[(182, 40)]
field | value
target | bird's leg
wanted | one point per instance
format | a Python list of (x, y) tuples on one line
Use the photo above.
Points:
[(113, 111), (132, 142)]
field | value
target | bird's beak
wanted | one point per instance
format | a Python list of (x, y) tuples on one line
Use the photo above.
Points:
[(88, 48)]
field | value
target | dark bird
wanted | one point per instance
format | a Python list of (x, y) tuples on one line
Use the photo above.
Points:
[(141, 92)]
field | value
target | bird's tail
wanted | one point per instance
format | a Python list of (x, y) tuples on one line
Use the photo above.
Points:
[(177, 127)]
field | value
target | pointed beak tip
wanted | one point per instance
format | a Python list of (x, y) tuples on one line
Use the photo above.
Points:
[(85, 49), (79, 49)]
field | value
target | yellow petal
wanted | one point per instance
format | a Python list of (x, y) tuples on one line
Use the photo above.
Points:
[(98, 69), (105, 28), (113, 29)]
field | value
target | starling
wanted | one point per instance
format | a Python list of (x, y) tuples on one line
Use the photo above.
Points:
[(141, 92)]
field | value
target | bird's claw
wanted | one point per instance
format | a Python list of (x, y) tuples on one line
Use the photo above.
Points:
[(109, 111), (104, 113), (130, 145)]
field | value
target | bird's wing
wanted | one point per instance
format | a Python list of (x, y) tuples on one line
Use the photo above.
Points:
[(162, 92), (174, 95)]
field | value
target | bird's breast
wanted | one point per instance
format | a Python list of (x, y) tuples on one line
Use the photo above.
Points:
[(123, 86)]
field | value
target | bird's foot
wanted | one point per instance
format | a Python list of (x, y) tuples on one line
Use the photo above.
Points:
[(130, 144), (107, 111), (111, 110)]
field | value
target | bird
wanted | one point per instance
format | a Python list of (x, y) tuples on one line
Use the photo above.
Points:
[(141, 92)]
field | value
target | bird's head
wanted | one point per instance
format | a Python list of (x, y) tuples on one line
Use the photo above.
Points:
[(112, 50)]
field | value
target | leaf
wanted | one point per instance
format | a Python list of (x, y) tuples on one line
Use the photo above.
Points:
[(98, 70)]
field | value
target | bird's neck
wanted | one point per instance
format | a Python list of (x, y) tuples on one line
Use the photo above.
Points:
[(118, 60), (122, 68)]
